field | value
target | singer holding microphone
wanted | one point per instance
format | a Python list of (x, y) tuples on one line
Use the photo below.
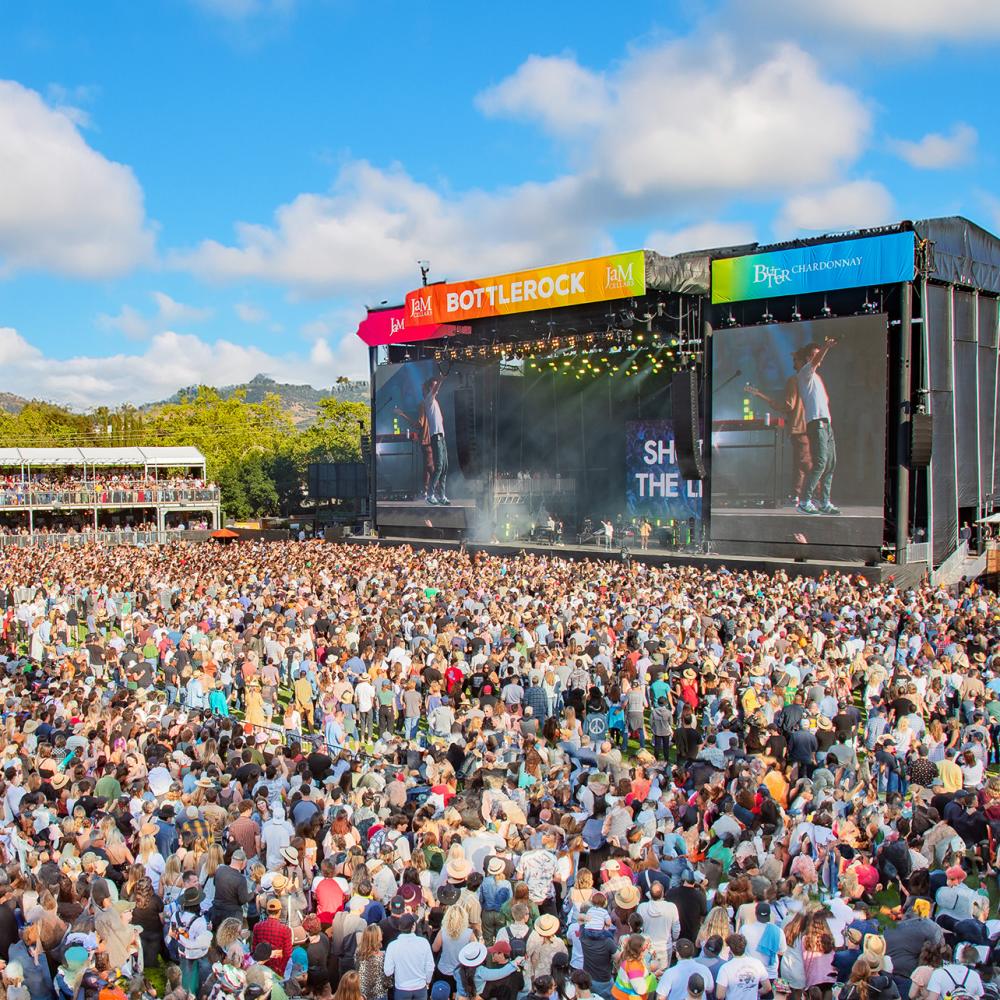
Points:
[(819, 427)]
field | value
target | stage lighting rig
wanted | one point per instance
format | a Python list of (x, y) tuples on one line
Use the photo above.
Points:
[(796, 315), (730, 320), (826, 311)]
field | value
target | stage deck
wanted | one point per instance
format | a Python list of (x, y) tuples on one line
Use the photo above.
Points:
[(902, 576)]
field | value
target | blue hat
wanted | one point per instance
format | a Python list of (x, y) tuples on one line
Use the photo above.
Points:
[(440, 991)]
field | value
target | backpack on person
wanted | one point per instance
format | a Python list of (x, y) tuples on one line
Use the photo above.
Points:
[(176, 928), (518, 945), (959, 992)]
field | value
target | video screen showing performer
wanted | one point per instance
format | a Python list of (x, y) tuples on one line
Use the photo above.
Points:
[(798, 430), (414, 432)]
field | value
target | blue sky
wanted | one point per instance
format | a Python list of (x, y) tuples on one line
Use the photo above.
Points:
[(198, 190)]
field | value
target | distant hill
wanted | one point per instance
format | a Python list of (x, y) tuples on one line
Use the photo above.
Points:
[(301, 401), (14, 404)]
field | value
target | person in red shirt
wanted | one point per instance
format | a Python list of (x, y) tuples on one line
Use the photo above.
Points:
[(277, 934), (328, 895)]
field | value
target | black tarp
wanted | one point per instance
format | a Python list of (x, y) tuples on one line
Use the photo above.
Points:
[(963, 253), (944, 498), (966, 397), (686, 273)]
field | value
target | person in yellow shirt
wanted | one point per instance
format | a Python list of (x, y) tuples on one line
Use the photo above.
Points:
[(303, 699), (950, 774)]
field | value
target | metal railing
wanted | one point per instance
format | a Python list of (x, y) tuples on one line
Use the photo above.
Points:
[(81, 538), (14, 497)]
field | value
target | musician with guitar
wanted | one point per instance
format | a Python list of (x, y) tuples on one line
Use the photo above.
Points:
[(793, 411), (421, 432)]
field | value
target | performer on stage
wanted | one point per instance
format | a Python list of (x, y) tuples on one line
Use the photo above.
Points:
[(435, 423), (608, 532), (422, 433), (794, 413), (645, 530), (822, 443)]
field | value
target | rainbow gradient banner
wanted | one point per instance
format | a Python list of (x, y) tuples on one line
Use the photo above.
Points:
[(600, 279), (823, 267)]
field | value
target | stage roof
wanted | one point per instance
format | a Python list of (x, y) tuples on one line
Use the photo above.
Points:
[(961, 252), (185, 457)]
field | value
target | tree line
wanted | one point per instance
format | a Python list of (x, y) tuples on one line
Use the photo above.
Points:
[(253, 451)]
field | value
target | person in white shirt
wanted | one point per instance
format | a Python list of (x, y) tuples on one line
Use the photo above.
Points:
[(743, 977), (364, 698), (959, 978), (409, 962), (765, 941), (661, 923), (673, 984), (819, 427), (439, 446)]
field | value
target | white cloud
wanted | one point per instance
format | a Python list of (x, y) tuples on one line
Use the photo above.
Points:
[(853, 205), (683, 119), (936, 151), (129, 321), (250, 313), (553, 90), (334, 323), (169, 361), (370, 231), (673, 126), (63, 206), (169, 312), (702, 236), (880, 20)]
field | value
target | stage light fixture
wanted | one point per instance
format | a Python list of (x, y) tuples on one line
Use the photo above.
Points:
[(730, 320), (640, 337), (796, 315), (826, 310)]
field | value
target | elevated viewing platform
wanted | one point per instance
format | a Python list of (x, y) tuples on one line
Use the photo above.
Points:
[(74, 489)]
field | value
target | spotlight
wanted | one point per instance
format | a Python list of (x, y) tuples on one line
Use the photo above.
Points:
[(767, 316), (730, 320), (826, 310), (796, 315)]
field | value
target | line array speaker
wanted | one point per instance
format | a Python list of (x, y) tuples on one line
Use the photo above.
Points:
[(686, 418)]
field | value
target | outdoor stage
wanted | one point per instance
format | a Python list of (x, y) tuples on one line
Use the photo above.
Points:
[(902, 576)]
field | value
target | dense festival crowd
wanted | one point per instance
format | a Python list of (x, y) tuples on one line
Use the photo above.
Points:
[(303, 769)]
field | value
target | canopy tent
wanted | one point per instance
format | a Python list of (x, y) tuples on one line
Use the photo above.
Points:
[(149, 458)]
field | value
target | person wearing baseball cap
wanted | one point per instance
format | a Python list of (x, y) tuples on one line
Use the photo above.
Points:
[(272, 930), (765, 940)]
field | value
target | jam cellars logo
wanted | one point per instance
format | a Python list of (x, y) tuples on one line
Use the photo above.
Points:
[(618, 277), (397, 324), (420, 308)]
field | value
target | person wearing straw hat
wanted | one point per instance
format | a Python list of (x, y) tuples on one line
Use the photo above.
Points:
[(543, 943)]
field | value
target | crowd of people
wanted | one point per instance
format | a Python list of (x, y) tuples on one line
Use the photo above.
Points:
[(304, 769), (44, 488)]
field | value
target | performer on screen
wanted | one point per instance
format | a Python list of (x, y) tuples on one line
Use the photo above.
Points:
[(439, 446), (795, 420), (822, 444), (422, 433)]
